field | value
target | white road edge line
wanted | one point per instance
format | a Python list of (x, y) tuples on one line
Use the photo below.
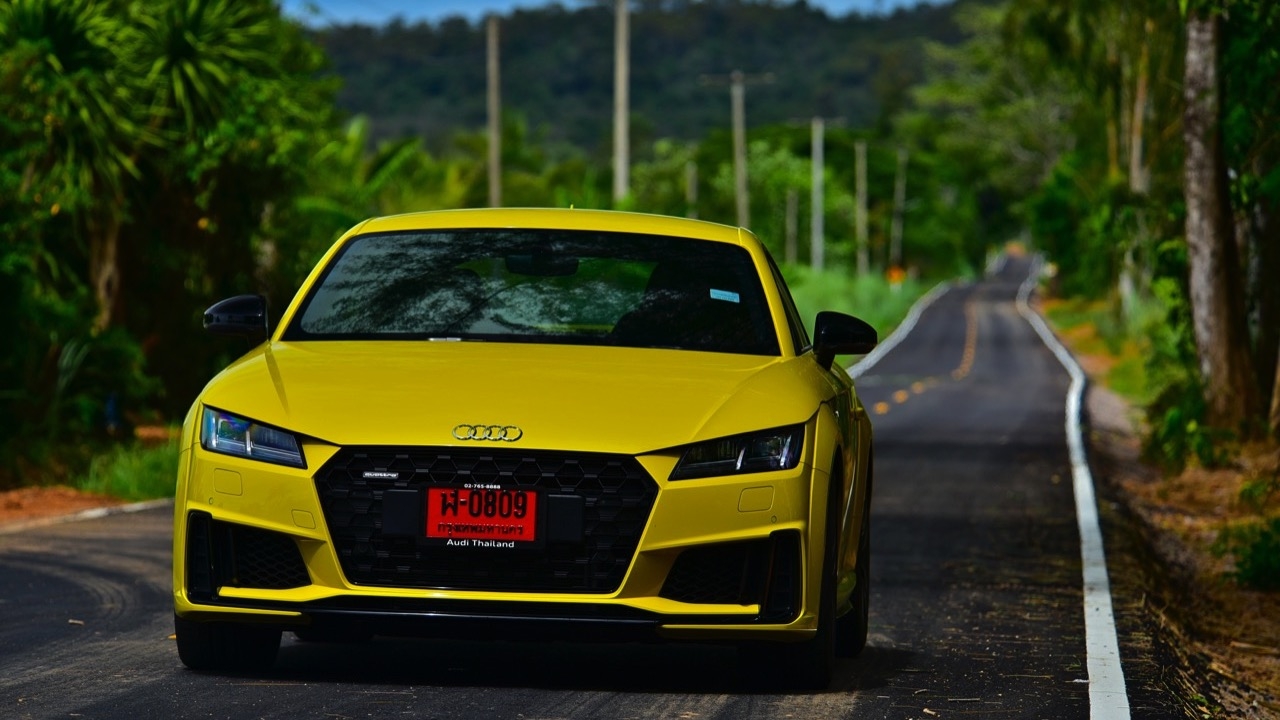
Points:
[(909, 322), (1108, 699)]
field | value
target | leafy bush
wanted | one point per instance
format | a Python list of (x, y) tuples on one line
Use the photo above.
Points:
[(1258, 490), (1177, 412), (1255, 547), (133, 472)]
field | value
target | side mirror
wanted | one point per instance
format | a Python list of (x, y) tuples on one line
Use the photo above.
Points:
[(244, 315), (839, 334)]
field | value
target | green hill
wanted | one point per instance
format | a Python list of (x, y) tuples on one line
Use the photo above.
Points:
[(557, 68)]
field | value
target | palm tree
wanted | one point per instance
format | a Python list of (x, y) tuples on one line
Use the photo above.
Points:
[(74, 56), (362, 177), (195, 51)]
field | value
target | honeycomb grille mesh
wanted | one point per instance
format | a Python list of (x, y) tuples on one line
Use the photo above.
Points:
[(265, 559), (617, 497), (720, 574), (765, 571), (228, 554)]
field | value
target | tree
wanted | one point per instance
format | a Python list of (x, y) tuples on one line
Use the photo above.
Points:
[(1215, 278), (79, 65), (1001, 111), (1251, 62)]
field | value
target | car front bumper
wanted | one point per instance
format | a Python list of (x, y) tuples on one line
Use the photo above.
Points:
[(706, 560)]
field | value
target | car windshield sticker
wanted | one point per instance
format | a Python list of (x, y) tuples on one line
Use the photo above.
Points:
[(727, 295)]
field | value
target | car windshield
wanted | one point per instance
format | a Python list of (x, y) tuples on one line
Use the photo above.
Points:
[(546, 286)]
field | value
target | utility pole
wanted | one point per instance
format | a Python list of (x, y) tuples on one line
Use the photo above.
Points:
[(817, 188), (621, 101), (737, 93), (860, 209), (691, 189), (899, 207), (790, 223), (495, 115), (817, 233)]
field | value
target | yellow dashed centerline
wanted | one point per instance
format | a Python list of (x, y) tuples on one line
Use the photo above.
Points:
[(970, 341), (961, 372)]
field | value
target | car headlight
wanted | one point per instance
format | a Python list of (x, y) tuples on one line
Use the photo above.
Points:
[(777, 449), (222, 432)]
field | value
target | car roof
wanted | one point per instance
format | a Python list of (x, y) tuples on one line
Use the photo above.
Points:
[(558, 219)]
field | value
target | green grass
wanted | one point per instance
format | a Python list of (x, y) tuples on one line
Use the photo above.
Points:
[(133, 472), (1093, 327), (871, 298)]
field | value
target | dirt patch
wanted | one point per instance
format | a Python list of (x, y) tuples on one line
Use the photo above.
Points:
[(1230, 632), (35, 503)]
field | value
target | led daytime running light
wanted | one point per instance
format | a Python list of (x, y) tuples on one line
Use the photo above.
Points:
[(777, 449), (228, 434)]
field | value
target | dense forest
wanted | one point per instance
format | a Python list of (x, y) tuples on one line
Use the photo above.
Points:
[(159, 155)]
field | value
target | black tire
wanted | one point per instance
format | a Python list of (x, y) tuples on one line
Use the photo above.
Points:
[(226, 647), (810, 664), (851, 628)]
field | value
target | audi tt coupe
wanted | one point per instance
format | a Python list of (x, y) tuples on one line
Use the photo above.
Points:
[(524, 424)]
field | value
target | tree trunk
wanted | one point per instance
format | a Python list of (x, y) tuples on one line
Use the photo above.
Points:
[(1115, 107), (104, 268), (1266, 238), (1264, 241), (1217, 299), (1275, 404), (1139, 180)]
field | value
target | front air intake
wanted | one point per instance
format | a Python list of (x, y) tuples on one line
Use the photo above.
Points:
[(222, 554)]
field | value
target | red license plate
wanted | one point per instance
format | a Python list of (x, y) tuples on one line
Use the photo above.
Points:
[(484, 513)]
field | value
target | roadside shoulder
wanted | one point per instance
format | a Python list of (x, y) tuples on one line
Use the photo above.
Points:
[(1226, 635), (27, 508)]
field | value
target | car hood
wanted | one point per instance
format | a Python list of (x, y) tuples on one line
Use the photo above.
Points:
[(561, 397)]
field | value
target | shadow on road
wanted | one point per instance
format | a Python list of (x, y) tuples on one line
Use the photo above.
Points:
[(634, 667)]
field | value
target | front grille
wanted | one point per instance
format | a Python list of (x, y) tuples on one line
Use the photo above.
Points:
[(222, 554), (610, 497)]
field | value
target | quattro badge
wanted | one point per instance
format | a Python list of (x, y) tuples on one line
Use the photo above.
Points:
[(492, 433)]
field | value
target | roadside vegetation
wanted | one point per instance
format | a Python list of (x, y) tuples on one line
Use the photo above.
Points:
[(132, 471)]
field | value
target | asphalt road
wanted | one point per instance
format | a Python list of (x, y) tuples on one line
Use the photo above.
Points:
[(976, 595)]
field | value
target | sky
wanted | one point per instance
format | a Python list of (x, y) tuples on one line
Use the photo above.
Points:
[(379, 12)]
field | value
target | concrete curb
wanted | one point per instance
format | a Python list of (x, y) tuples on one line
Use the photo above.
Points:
[(90, 514)]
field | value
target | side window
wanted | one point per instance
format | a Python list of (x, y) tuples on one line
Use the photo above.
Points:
[(799, 336)]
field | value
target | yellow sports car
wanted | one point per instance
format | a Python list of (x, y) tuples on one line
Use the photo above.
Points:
[(529, 423)]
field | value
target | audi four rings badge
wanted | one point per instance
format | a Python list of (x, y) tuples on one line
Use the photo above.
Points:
[(492, 433)]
